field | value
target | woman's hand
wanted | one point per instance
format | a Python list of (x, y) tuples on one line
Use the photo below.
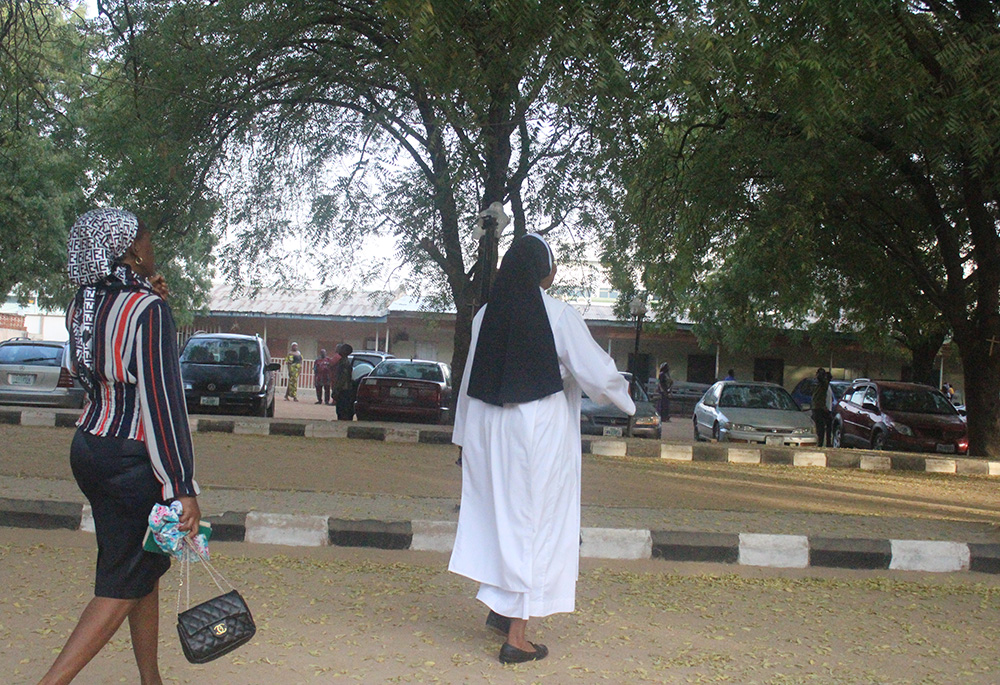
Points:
[(190, 518), (159, 284)]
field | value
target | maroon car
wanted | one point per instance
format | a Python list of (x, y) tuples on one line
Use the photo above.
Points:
[(405, 390), (898, 416)]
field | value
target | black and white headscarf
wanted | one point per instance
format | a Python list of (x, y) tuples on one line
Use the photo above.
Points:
[(515, 357), (97, 242)]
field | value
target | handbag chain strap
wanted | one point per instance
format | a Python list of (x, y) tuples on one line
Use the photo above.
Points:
[(187, 552)]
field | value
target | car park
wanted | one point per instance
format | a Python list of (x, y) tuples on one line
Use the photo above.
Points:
[(802, 394), (35, 373), (752, 412), (227, 373), (607, 419), (898, 416), (412, 390)]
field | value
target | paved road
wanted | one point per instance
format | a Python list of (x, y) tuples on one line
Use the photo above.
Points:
[(335, 614), (390, 481)]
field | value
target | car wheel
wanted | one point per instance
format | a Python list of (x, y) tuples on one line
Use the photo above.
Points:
[(697, 435), (270, 409), (838, 435), (878, 440), (261, 408)]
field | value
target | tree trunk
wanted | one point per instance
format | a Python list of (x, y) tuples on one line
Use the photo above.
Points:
[(922, 358), (982, 395)]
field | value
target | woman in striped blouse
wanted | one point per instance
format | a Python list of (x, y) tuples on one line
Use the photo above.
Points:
[(132, 448)]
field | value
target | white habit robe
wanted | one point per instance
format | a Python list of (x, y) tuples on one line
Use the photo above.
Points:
[(519, 523)]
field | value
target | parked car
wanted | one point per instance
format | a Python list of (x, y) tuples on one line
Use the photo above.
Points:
[(803, 392), (405, 390), (228, 373), (607, 419), (364, 361), (684, 395), (35, 372), (898, 416), (738, 411)]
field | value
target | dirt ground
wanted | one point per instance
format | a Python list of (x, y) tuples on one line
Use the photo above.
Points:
[(420, 470), (345, 615)]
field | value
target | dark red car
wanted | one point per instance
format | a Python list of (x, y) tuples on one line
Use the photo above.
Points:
[(405, 390), (898, 416)]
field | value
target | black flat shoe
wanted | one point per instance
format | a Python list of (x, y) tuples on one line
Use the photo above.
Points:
[(509, 654), (499, 623)]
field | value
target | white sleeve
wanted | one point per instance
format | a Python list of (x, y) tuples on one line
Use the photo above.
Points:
[(462, 405), (592, 368)]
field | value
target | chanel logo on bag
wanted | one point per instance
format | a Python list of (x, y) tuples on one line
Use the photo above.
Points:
[(219, 629)]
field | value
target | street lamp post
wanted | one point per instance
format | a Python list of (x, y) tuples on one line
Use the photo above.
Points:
[(638, 309), (489, 225)]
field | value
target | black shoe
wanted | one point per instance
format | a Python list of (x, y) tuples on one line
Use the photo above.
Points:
[(499, 623), (509, 654)]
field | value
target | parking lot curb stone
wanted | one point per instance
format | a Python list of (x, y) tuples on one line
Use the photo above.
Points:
[(708, 452), (745, 549)]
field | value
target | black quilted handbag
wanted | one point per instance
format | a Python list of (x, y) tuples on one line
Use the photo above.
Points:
[(216, 627)]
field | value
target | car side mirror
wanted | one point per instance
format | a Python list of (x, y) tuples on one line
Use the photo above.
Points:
[(273, 366)]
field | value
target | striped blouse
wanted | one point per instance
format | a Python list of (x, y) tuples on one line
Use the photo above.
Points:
[(139, 392)]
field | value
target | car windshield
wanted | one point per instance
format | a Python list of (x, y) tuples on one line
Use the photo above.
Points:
[(915, 401), (407, 369), (757, 397), (35, 355), (221, 352)]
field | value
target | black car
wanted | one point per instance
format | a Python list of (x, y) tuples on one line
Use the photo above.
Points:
[(607, 419), (228, 373), (33, 372)]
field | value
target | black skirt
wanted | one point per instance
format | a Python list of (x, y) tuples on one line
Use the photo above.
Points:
[(118, 480)]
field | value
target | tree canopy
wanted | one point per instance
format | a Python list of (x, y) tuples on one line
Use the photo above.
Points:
[(388, 118), (826, 161)]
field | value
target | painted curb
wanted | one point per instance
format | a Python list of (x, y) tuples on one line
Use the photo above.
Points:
[(745, 549), (632, 447)]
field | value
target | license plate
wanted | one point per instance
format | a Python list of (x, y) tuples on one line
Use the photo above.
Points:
[(210, 401), (946, 449), (399, 392), (613, 431), (774, 440), (21, 379)]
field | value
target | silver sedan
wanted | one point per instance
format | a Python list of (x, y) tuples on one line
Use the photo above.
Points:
[(736, 411)]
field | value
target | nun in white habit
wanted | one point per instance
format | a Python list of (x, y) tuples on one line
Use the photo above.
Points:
[(518, 424)]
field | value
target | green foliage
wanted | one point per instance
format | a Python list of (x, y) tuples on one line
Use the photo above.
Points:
[(824, 162)]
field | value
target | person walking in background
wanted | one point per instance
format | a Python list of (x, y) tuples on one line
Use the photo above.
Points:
[(820, 411), (730, 375), (343, 383), (664, 382), (294, 361), (323, 377), (132, 448), (518, 424)]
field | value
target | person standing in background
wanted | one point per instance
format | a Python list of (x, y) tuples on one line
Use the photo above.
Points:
[(664, 382), (343, 383), (294, 361), (323, 377), (820, 413)]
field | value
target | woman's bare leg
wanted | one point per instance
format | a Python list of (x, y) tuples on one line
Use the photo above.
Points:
[(144, 627), (515, 636), (98, 623)]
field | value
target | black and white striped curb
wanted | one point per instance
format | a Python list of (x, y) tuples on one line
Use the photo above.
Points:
[(746, 549), (698, 452)]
